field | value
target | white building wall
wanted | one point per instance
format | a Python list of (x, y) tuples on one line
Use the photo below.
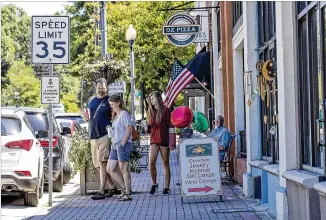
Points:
[(238, 84), (286, 79), (252, 114), (217, 67)]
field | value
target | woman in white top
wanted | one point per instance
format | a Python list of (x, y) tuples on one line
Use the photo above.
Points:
[(121, 146)]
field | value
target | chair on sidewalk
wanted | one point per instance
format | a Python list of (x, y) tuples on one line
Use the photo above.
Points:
[(143, 148), (227, 159)]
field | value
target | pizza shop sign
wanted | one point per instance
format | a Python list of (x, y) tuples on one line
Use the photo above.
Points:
[(181, 29)]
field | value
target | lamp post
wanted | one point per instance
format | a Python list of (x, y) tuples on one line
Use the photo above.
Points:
[(131, 36), (143, 59)]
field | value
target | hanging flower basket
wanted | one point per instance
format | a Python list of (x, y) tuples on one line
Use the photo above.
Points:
[(107, 68)]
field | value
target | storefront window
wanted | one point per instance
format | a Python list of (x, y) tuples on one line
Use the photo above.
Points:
[(311, 83), (236, 15), (268, 92)]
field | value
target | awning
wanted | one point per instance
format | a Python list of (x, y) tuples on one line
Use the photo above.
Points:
[(199, 65)]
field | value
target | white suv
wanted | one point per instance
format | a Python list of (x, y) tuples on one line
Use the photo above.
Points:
[(22, 158)]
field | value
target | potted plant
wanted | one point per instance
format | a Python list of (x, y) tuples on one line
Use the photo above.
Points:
[(80, 155)]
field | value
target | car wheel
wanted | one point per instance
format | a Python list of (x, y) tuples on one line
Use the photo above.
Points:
[(67, 170), (41, 188), (58, 184), (32, 198)]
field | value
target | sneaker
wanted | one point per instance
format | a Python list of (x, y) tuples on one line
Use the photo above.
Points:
[(166, 191), (110, 193), (154, 188), (98, 196)]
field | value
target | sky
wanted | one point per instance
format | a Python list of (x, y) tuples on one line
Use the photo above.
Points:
[(39, 8)]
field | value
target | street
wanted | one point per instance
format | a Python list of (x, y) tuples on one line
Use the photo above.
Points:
[(12, 208)]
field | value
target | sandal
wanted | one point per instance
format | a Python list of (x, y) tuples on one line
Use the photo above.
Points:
[(125, 197), (123, 193)]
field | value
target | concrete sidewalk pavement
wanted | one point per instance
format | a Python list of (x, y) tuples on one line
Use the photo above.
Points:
[(146, 206)]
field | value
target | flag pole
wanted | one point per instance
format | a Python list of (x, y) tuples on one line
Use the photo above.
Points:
[(205, 88)]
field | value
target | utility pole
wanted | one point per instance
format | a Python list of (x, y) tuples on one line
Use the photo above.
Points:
[(103, 28)]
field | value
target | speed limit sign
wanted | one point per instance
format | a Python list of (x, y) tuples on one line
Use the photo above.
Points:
[(51, 39)]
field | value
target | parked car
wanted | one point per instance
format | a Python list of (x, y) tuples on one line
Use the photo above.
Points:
[(22, 165), (58, 108), (39, 120), (64, 119)]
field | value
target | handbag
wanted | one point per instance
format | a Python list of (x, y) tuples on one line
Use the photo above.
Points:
[(135, 134)]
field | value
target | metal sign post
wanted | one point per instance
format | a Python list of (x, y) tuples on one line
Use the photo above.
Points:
[(50, 45), (50, 146)]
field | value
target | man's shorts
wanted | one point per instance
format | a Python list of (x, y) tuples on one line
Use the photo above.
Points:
[(100, 150), (122, 154)]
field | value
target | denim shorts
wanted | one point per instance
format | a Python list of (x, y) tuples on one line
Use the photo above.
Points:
[(122, 153)]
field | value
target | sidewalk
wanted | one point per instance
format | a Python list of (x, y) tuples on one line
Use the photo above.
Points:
[(145, 206)]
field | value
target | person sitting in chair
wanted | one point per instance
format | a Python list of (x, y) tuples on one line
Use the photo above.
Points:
[(223, 135)]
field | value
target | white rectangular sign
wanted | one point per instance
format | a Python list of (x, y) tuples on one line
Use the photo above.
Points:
[(201, 18), (200, 167), (50, 93), (51, 39), (117, 87)]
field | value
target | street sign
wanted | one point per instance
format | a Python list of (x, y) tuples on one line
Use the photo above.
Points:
[(199, 167), (201, 17), (50, 93), (117, 87), (181, 29), (51, 39)]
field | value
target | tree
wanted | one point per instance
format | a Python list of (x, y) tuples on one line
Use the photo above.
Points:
[(82, 26), (69, 90), (15, 41), (23, 87), (147, 20), (150, 42)]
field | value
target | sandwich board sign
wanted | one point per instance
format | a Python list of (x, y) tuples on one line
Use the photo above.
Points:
[(50, 86), (51, 39), (199, 167), (181, 29)]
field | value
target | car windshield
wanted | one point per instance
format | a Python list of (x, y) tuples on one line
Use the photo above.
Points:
[(39, 121), (76, 118), (10, 126), (63, 122)]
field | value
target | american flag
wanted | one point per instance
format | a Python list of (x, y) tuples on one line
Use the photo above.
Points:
[(180, 78)]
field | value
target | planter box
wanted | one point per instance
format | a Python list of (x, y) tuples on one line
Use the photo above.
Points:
[(90, 182)]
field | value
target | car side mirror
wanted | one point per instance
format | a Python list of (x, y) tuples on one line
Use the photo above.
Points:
[(42, 134), (66, 130)]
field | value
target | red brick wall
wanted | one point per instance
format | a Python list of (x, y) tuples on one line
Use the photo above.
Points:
[(240, 168)]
